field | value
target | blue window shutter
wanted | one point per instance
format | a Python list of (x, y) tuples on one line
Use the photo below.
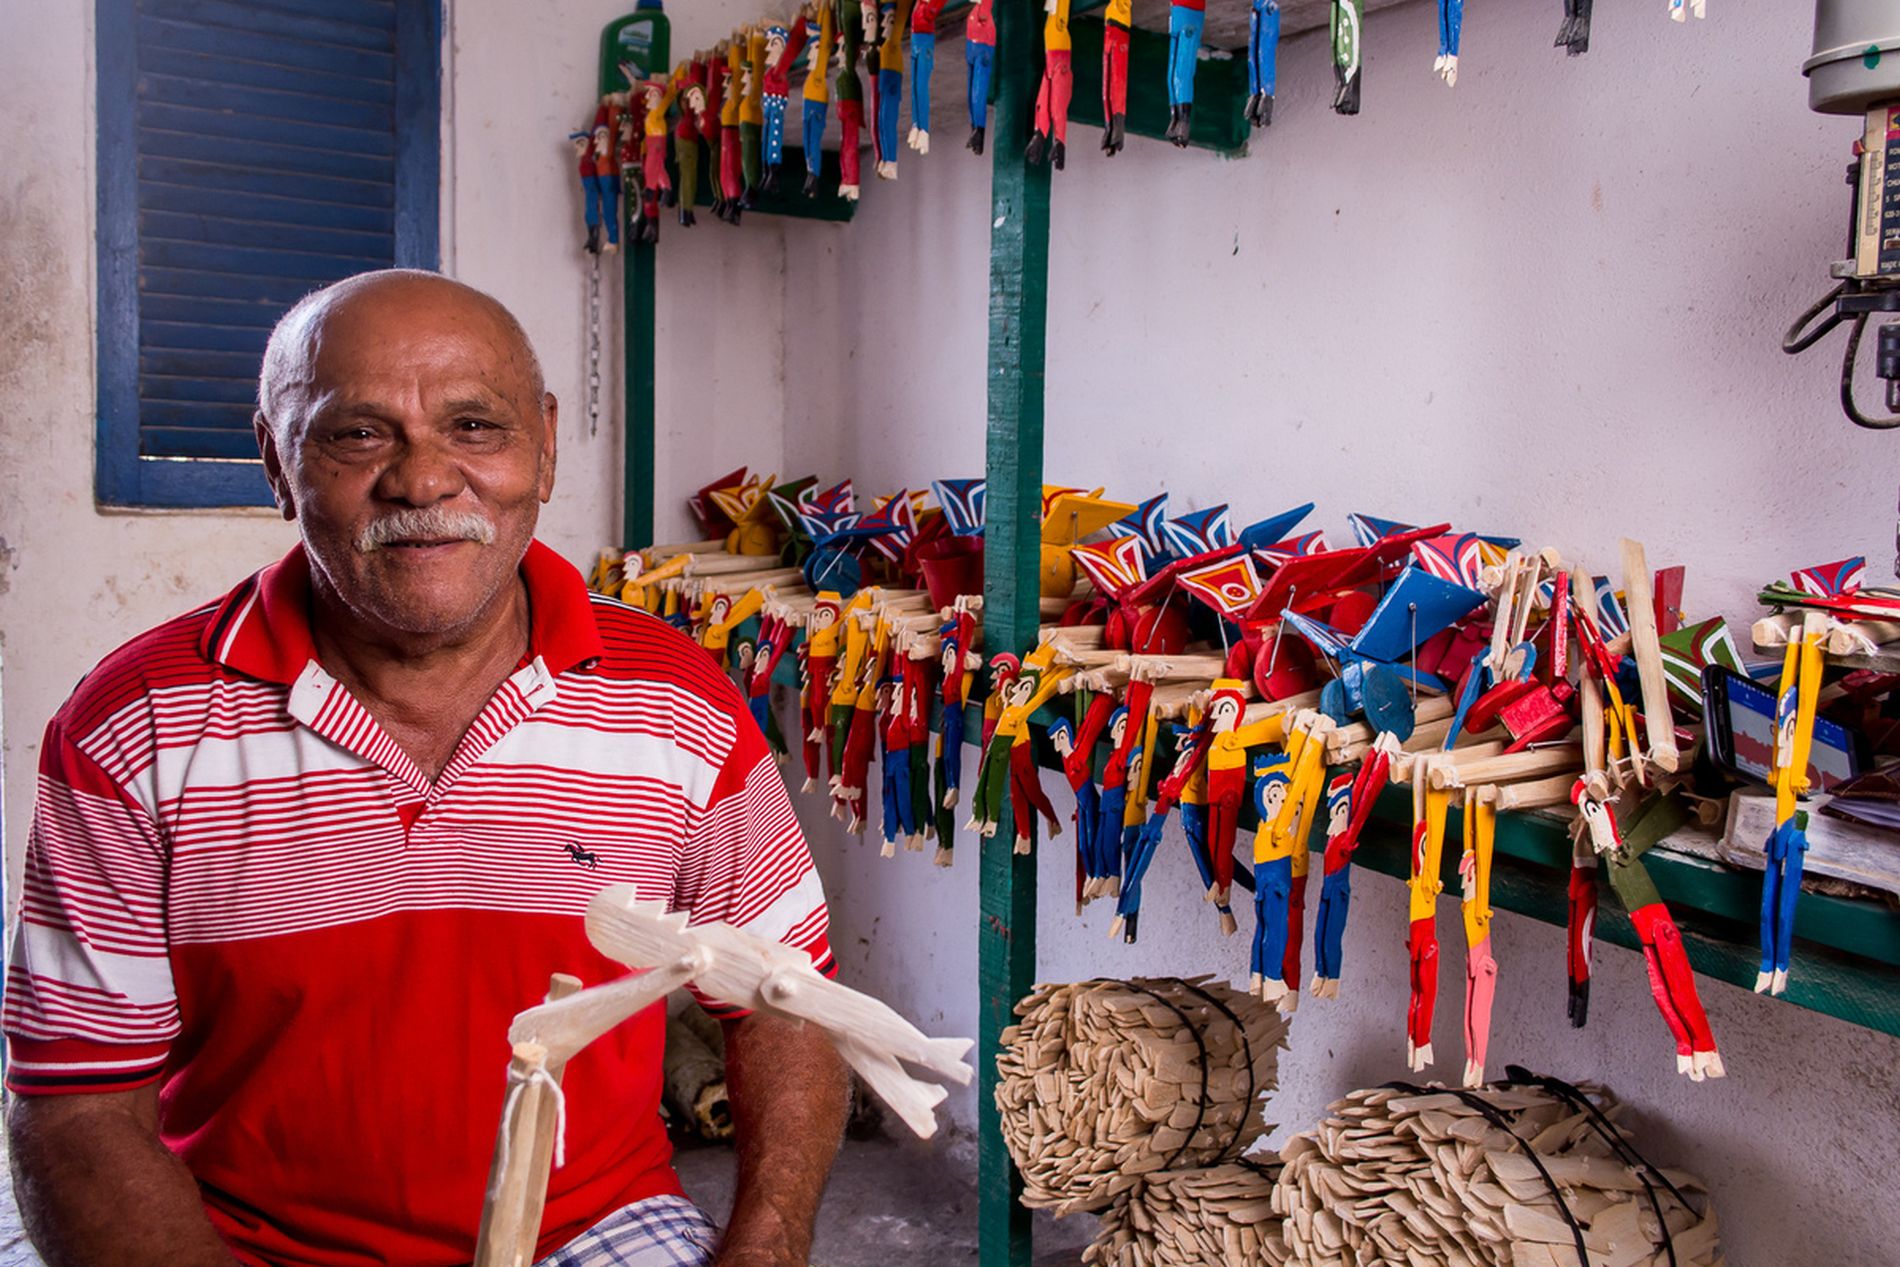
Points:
[(250, 151)]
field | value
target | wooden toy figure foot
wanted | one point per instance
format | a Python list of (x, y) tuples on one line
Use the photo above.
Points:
[(1180, 124), (1037, 150), (1058, 155), (975, 143), (1115, 135)]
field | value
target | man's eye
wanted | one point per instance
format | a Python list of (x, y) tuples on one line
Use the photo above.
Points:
[(474, 424)]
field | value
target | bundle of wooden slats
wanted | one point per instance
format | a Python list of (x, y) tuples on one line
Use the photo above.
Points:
[(1104, 1082), (1186, 1218), (1533, 1178)]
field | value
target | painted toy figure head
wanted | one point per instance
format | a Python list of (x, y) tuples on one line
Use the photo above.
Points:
[(1117, 726), (867, 11), (1019, 689), (1338, 805), (652, 93), (952, 655), (1062, 736), (824, 613), (716, 613), (1270, 786), (603, 143), (580, 141), (1226, 706), (1003, 671), (695, 98), (743, 654), (1597, 818), (774, 44)]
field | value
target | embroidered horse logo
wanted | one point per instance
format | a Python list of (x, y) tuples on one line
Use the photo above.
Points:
[(582, 857)]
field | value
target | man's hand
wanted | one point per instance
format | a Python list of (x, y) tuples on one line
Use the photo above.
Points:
[(789, 1096), (96, 1185)]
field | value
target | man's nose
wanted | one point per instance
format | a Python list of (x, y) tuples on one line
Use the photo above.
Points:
[(424, 472)]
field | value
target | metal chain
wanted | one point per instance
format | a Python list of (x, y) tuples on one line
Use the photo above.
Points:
[(593, 348)]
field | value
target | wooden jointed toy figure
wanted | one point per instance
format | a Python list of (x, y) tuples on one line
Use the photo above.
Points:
[(1429, 808), (1227, 775), (1347, 30), (821, 657), (781, 50), (1347, 814), (979, 55), (1263, 52), (1451, 25), (1481, 968), (893, 16), (1048, 142), (1671, 979), (743, 969), (656, 184), (852, 29), (731, 144), (1574, 35), (923, 61), (1117, 20), (1185, 20), (686, 138), (596, 195), (817, 93), (1795, 702), (713, 67), (752, 116)]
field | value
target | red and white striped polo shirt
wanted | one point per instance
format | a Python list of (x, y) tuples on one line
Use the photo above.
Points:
[(239, 886)]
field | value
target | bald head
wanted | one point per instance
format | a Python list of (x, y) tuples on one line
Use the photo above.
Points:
[(287, 379)]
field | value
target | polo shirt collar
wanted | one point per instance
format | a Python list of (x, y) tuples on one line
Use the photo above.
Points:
[(262, 628)]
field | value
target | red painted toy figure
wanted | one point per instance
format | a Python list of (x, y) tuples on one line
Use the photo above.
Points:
[(656, 184), (923, 60), (1115, 27), (781, 50), (1049, 141), (731, 178), (852, 30), (979, 52), (713, 68), (597, 194)]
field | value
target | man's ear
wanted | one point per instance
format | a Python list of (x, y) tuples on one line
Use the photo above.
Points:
[(273, 465), (551, 428)]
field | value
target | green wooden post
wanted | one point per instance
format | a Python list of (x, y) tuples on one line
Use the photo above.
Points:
[(636, 527), (1019, 302)]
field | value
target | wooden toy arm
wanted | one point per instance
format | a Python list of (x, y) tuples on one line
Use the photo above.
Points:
[(561, 1027)]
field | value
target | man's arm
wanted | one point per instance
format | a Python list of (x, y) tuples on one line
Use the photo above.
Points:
[(96, 1185), (789, 1096)]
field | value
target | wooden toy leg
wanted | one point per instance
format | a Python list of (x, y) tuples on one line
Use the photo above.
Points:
[(524, 1149)]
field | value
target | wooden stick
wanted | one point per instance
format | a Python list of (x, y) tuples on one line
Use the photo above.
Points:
[(1639, 600), (1163, 668), (1458, 769), (1537, 793), (1430, 708), (1862, 637), (524, 1148), (653, 555)]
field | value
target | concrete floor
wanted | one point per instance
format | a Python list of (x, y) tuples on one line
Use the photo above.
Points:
[(888, 1202)]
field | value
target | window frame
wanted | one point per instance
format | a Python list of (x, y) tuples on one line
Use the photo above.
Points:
[(123, 478)]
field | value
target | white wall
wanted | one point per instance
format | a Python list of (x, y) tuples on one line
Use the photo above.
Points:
[(75, 582), (1546, 302)]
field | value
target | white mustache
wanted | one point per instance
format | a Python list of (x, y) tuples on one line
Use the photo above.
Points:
[(428, 523)]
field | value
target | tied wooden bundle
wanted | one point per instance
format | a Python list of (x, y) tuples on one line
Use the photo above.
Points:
[(1423, 1176), (1103, 1082), (1186, 1218)]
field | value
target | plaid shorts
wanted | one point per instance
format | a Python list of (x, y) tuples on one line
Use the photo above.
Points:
[(658, 1232)]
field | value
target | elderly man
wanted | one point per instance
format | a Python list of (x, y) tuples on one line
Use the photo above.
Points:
[(300, 855)]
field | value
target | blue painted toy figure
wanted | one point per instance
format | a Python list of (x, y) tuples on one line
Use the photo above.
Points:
[(1451, 25), (1185, 19), (892, 16), (817, 95), (781, 50), (1263, 47), (923, 60), (599, 189), (979, 51)]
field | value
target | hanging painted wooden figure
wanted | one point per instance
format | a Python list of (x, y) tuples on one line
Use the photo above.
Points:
[(979, 55), (816, 94), (1048, 142), (923, 62), (1348, 25), (782, 47), (1451, 26), (1574, 35), (852, 30), (1263, 51), (1116, 24), (892, 18), (1185, 20), (686, 139)]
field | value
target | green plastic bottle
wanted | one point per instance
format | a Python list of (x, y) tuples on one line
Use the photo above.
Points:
[(642, 39)]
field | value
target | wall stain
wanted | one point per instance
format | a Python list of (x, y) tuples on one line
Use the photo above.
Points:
[(33, 269)]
